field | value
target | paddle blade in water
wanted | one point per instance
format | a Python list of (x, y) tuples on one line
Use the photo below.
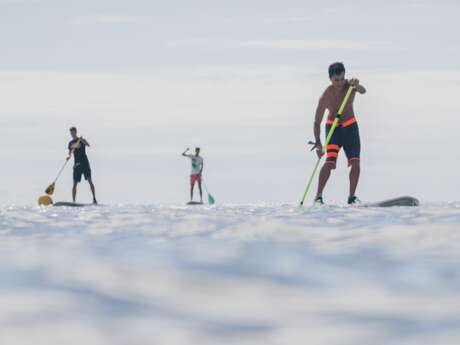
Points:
[(45, 200), (211, 200)]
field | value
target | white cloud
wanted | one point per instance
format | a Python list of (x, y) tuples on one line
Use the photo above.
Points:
[(421, 4), (292, 19), (290, 44), (18, 1), (110, 19), (313, 44)]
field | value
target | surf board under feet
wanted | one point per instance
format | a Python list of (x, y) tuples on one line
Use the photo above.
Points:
[(71, 204), (195, 203)]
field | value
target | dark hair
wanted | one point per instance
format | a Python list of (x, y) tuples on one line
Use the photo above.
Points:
[(73, 129), (197, 148), (336, 68)]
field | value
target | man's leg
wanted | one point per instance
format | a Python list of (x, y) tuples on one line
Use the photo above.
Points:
[(74, 190), (354, 175), (93, 190), (323, 177), (192, 186), (201, 191), (332, 152), (77, 172), (352, 149)]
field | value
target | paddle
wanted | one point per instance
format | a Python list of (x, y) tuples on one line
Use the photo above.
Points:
[(211, 200), (328, 139), (51, 187)]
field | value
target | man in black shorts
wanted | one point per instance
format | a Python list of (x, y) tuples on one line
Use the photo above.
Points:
[(77, 146), (346, 134)]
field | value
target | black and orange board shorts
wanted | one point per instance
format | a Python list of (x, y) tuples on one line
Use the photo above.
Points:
[(345, 135)]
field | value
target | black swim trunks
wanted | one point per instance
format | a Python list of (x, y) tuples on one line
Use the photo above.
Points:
[(345, 135), (81, 169)]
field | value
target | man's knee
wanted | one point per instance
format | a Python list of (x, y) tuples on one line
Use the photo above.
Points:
[(354, 163), (329, 166)]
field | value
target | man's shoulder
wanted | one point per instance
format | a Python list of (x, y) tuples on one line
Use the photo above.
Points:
[(328, 89), (326, 93)]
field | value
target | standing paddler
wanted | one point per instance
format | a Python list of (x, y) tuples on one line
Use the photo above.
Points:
[(77, 146), (197, 171), (345, 135)]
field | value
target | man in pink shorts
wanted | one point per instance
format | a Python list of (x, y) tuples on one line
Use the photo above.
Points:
[(197, 170)]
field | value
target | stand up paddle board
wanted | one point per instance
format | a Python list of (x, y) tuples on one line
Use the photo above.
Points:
[(401, 201), (72, 204), (195, 203)]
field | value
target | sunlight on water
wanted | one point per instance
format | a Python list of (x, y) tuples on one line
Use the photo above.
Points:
[(230, 274)]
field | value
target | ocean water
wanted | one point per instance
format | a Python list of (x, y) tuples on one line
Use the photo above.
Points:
[(230, 274)]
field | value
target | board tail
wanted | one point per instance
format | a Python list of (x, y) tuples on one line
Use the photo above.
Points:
[(405, 201), (401, 201)]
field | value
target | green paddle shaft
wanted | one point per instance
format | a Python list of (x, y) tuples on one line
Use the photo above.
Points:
[(328, 139)]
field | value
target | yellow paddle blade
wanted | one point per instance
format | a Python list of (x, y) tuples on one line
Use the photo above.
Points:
[(45, 200), (50, 189)]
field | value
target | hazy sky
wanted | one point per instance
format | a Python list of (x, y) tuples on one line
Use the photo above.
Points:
[(143, 80)]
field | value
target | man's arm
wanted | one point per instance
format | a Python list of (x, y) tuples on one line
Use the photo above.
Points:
[(84, 141), (320, 110), (76, 145), (202, 166), (69, 147), (185, 152), (73, 147), (357, 86)]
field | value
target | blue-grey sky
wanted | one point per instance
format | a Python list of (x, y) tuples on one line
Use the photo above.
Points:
[(144, 79), (137, 35)]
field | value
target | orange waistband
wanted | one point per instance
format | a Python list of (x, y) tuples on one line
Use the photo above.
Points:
[(343, 124)]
